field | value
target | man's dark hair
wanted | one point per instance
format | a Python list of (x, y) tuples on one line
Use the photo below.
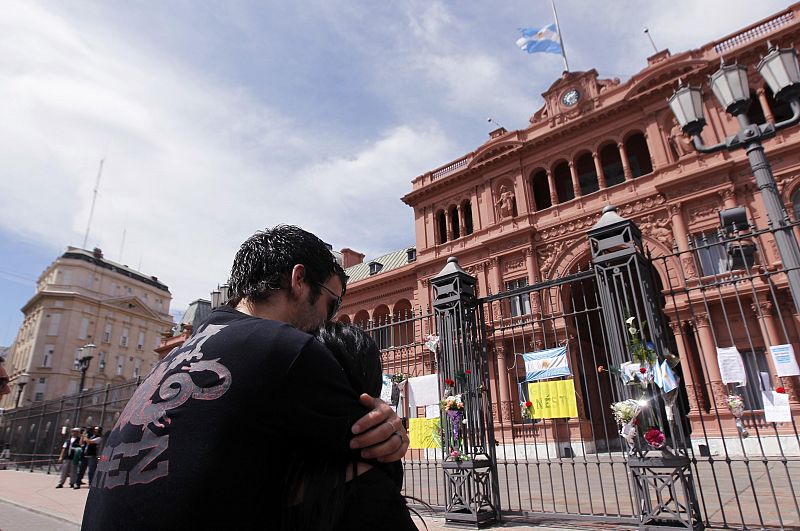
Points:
[(264, 263)]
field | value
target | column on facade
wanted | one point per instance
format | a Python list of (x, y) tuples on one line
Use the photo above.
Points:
[(688, 377), (765, 106), (449, 223), (791, 382), (762, 307), (502, 382), (424, 296), (708, 360), (576, 184), (598, 168), (626, 164), (680, 235), (462, 228), (553, 192), (533, 277), (728, 196)]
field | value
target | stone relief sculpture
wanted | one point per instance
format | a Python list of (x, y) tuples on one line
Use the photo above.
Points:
[(505, 204)]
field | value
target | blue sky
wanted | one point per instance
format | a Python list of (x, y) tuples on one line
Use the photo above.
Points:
[(219, 118)]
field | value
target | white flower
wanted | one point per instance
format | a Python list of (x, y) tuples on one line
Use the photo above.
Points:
[(464, 421), (630, 320), (632, 330)]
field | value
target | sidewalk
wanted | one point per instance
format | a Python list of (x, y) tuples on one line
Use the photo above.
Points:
[(36, 491)]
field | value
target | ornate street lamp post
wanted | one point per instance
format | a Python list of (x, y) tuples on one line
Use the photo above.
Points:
[(22, 381), (82, 362), (781, 70)]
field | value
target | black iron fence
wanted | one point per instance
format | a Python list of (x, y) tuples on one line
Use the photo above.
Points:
[(34, 434)]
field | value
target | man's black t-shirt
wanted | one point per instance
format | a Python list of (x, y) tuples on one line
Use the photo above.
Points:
[(202, 442)]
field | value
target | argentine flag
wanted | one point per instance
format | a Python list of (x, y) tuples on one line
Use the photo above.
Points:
[(546, 364), (545, 40)]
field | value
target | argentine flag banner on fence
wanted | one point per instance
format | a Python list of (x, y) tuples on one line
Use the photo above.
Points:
[(545, 40), (546, 364)]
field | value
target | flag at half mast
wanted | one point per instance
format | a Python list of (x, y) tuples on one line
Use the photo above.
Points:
[(545, 40)]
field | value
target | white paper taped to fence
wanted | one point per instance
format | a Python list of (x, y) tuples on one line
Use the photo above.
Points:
[(776, 407), (785, 360), (546, 364), (731, 366), (423, 390), (433, 411)]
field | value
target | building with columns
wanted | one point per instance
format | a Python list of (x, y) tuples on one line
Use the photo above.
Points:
[(515, 211), (86, 305)]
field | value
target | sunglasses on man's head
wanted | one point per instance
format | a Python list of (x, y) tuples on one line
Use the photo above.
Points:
[(335, 303)]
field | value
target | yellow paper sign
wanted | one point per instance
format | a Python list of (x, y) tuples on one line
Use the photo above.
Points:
[(553, 399), (423, 433)]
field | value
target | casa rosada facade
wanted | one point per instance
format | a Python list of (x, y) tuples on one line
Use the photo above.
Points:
[(515, 211)]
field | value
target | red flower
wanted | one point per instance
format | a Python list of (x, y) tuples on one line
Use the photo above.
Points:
[(635, 422), (528, 403), (780, 390), (448, 382), (468, 371), (642, 370)]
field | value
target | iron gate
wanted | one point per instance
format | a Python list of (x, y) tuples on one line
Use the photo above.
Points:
[(578, 467)]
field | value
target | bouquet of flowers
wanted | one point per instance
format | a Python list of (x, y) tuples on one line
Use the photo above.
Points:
[(399, 378), (456, 455), (641, 352), (526, 409), (625, 411), (736, 405), (452, 403), (655, 437)]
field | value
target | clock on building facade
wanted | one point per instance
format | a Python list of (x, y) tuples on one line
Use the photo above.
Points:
[(570, 97)]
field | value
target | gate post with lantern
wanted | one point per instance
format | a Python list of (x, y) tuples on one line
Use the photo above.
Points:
[(659, 464), (468, 446)]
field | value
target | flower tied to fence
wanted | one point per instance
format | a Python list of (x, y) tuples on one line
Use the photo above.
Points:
[(453, 406)]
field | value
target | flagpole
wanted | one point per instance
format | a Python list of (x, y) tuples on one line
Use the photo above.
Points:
[(560, 38)]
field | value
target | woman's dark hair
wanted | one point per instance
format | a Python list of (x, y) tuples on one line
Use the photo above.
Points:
[(358, 355), (265, 260), (314, 488)]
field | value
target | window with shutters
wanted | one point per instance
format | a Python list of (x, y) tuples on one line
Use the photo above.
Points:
[(47, 356), (55, 323), (123, 340), (84, 328)]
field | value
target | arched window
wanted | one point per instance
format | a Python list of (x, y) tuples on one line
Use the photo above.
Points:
[(403, 324), (587, 174), (563, 180), (343, 318), (755, 113), (466, 211), (796, 204), (781, 110), (454, 222), (612, 165), (381, 326), (361, 319), (638, 155), (441, 226), (541, 190)]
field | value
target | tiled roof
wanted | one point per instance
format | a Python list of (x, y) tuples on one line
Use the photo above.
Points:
[(389, 261)]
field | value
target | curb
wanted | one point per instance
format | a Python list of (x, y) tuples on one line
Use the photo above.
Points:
[(39, 511)]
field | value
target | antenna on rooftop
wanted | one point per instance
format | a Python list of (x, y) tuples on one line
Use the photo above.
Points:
[(646, 31), (122, 245), (94, 199)]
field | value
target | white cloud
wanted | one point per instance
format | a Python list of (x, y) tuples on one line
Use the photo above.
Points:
[(192, 167)]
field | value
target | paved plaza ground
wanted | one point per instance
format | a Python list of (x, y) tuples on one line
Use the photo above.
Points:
[(29, 501)]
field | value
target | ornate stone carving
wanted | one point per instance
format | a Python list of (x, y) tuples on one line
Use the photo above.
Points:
[(548, 255), (702, 211), (727, 194), (688, 267), (507, 411), (762, 307), (702, 320), (514, 263), (658, 228)]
